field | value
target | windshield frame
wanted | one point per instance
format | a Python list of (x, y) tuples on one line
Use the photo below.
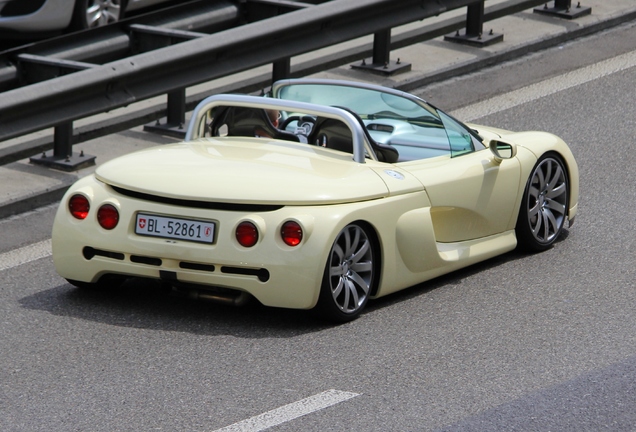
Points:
[(437, 115)]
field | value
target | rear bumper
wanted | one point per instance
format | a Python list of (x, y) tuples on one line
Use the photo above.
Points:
[(276, 274)]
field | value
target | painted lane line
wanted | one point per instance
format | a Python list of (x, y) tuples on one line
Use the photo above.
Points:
[(546, 88), (290, 412), (25, 254)]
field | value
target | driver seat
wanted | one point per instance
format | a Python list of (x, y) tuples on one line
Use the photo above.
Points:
[(333, 134), (248, 122)]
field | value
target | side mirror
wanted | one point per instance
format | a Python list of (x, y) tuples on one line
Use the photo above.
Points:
[(502, 150)]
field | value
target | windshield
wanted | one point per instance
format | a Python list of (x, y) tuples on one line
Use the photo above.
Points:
[(409, 125), (367, 103)]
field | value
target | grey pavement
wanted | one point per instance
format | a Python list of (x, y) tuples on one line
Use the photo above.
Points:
[(25, 186)]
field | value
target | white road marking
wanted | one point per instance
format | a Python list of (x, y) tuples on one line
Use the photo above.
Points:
[(545, 88), (290, 411), (25, 254)]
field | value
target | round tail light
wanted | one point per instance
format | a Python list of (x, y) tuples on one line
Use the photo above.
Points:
[(246, 234), (108, 216), (79, 206), (292, 233)]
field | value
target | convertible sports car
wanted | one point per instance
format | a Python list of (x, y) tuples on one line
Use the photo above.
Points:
[(324, 195)]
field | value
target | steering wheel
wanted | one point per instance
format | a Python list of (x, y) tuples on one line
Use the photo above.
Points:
[(304, 124)]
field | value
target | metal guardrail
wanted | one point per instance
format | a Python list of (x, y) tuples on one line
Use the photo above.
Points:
[(196, 58), (113, 42)]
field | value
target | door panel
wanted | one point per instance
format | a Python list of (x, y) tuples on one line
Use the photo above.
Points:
[(472, 196)]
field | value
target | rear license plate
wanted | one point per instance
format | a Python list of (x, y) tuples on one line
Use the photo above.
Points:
[(174, 228)]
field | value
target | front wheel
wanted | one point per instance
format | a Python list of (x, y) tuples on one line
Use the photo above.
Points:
[(544, 205), (96, 13), (349, 276)]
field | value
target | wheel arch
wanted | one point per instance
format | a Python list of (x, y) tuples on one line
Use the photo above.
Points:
[(345, 302), (564, 154), (543, 143), (528, 239), (572, 171)]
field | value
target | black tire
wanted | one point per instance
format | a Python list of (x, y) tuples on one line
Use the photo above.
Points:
[(95, 13), (350, 274), (544, 205)]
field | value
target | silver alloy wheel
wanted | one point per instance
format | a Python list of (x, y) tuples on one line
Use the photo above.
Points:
[(350, 269), (102, 12), (547, 200)]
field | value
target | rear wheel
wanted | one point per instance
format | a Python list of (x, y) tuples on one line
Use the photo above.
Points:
[(96, 13), (544, 205), (350, 274)]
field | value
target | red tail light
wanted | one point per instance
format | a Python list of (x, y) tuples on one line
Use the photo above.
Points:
[(246, 234), (108, 216), (79, 206), (292, 233)]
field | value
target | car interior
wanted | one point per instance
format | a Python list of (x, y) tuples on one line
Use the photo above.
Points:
[(326, 132)]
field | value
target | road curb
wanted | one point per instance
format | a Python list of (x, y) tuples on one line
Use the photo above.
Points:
[(516, 52), (35, 200)]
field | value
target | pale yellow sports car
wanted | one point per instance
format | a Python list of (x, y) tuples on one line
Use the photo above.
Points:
[(322, 196)]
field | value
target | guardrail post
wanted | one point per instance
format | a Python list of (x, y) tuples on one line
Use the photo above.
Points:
[(381, 62), (63, 140), (474, 34), (175, 116), (281, 69), (382, 47), (63, 157), (177, 108), (148, 38), (563, 9)]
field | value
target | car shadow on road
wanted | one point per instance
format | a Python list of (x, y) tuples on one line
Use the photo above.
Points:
[(147, 304), (455, 278)]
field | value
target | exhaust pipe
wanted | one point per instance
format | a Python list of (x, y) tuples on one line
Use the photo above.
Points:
[(240, 299), (228, 297)]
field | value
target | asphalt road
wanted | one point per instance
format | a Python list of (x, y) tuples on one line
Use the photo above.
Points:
[(543, 342)]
